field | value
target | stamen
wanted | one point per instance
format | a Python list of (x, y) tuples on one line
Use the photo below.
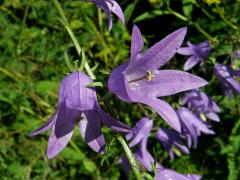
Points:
[(149, 77)]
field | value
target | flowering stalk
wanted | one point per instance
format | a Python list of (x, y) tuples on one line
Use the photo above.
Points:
[(130, 157), (72, 36)]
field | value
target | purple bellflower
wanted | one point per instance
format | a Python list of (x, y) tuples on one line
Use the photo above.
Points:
[(162, 173), (192, 126), (77, 103), (171, 139), (202, 104), (197, 52), (139, 80), (110, 6), (139, 134), (169, 174), (225, 75)]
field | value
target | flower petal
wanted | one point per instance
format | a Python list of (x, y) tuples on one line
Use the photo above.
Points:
[(49, 124), (159, 54), (187, 51), (111, 122), (137, 43), (168, 82), (56, 145), (213, 116), (116, 83), (116, 9), (77, 95), (164, 110), (190, 63), (65, 120), (90, 129)]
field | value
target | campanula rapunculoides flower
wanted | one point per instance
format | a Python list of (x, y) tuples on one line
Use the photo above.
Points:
[(197, 52), (192, 126), (202, 104), (169, 174), (140, 79), (110, 6), (225, 75), (139, 134), (171, 139), (78, 103)]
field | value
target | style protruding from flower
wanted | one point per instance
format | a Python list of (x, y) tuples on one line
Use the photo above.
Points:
[(77, 103), (202, 104), (192, 126), (110, 6), (171, 139), (197, 52), (140, 79), (226, 75)]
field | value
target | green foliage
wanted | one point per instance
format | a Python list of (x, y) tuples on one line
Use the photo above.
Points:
[(34, 47)]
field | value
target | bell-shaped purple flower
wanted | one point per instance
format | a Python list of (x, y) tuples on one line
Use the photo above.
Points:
[(139, 134), (202, 104), (169, 174), (78, 103), (140, 79), (192, 126), (225, 75), (110, 6), (171, 139), (197, 52)]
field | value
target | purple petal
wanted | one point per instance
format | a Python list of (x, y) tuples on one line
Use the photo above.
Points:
[(167, 174), (75, 93), (164, 110), (136, 43), (116, 9), (190, 63), (159, 54), (213, 116), (185, 51), (56, 145), (145, 159), (140, 133), (90, 129), (168, 82), (49, 124), (112, 123), (116, 83), (65, 120)]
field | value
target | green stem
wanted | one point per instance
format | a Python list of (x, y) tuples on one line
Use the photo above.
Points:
[(130, 157), (72, 36), (180, 16), (203, 31)]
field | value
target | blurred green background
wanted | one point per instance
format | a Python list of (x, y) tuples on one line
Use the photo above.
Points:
[(32, 45)]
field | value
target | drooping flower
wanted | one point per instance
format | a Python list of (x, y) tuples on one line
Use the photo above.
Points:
[(236, 54), (202, 104), (197, 52), (110, 6), (78, 103), (225, 75), (139, 134), (139, 80), (169, 174), (192, 126), (171, 139)]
